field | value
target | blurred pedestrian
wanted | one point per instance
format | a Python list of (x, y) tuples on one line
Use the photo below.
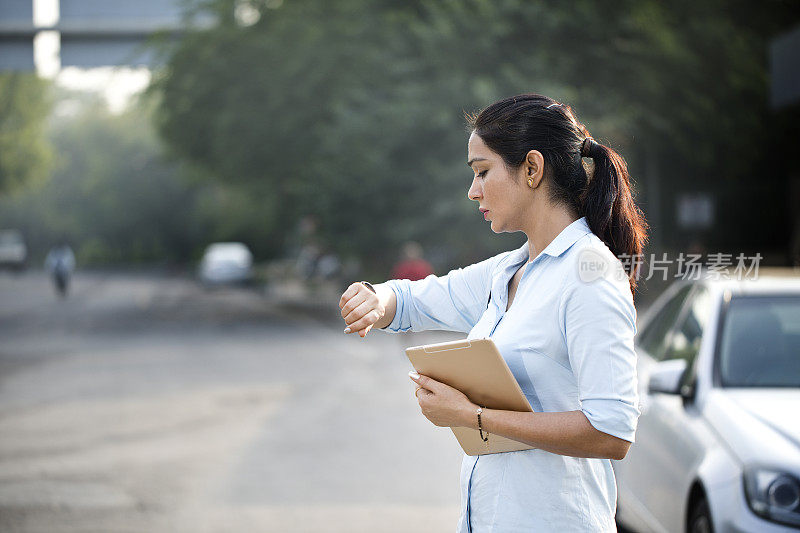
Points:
[(567, 338), (60, 263), (412, 265)]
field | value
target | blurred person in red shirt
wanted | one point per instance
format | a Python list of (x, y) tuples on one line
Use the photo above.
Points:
[(412, 266)]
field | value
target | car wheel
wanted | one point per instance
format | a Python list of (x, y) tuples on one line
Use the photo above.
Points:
[(700, 518)]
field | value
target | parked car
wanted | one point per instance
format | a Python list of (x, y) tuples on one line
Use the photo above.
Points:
[(13, 252), (718, 442), (226, 263)]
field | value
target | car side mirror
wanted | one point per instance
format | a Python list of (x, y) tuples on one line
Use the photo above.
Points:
[(666, 376)]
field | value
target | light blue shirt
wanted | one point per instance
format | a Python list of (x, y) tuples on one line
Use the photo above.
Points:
[(568, 339)]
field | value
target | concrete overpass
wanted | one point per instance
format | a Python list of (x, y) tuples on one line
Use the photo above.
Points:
[(92, 33)]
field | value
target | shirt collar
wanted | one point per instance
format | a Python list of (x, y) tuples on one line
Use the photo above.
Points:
[(560, 244), (567, 237)]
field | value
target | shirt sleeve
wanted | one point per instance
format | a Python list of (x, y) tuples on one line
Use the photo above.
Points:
[(599, 324), (454, 302)]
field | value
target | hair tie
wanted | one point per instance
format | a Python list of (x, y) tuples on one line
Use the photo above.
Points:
[(589, 148)]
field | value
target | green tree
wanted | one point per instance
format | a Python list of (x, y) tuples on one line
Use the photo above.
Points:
[(353, 110), (117, 200), (25, 155)]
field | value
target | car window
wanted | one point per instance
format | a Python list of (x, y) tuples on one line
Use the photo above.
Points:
[(684, 341), (760, 343), (654, 337)]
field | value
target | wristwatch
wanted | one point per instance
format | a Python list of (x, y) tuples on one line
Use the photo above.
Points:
[(368, 285)]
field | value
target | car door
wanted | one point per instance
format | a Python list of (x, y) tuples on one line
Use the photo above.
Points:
[(669, 439), (632, 478)]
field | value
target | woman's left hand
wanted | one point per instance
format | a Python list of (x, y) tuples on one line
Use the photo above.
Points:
[(442, 404)]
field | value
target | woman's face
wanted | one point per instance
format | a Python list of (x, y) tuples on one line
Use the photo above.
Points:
[(500, 194)]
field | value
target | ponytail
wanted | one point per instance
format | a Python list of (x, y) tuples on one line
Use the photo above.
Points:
[(609, 208)]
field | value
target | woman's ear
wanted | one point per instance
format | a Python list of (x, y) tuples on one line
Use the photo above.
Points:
[(534, 168)]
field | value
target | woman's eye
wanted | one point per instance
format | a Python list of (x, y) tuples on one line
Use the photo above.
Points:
[(482, 174)]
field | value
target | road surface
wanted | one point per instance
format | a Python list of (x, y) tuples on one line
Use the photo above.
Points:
[(144, 403)]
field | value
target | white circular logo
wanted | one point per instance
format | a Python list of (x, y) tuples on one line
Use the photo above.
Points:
[(592, 265)]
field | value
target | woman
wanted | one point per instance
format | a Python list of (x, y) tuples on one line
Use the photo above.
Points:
[(565, 331)]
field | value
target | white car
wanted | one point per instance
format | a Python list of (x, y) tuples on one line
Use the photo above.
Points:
[(13, 252), (226, 263), (718, 442)]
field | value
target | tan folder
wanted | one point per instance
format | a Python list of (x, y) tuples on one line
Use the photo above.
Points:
[(476, 368)]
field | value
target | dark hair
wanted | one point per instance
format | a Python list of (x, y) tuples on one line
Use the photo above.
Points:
[(514, 126)]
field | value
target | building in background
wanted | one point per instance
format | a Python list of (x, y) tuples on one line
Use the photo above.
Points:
[(87, 33)]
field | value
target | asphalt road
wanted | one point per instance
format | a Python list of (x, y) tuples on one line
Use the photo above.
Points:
[(145, 403)]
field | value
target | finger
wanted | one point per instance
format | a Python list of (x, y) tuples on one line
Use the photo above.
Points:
[(363, 332), (424, 381), (422, 395), (352, 304), (349, 293), (367, 320), (360, 311)]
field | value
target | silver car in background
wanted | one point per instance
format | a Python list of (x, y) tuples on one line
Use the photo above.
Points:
[(226, 263), (718, 442), (13, 251)]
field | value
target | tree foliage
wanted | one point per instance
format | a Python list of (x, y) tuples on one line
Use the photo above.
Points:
[(25, 155), (353, 110), (117, 200)]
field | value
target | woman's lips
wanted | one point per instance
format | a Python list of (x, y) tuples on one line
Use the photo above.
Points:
[(485, 212)]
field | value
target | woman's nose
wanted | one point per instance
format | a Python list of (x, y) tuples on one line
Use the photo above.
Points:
[(474, 191)]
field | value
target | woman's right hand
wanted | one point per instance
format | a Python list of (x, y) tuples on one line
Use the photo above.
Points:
[(361, 309)]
